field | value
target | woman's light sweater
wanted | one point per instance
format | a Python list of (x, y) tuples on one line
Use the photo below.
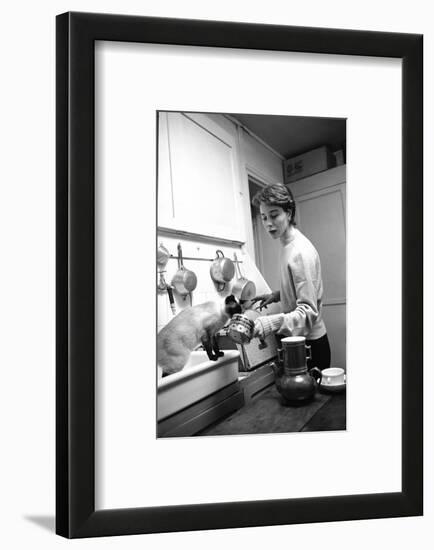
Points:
[(301, 289)]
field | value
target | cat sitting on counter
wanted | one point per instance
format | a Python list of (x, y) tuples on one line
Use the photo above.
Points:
[(191, 327)]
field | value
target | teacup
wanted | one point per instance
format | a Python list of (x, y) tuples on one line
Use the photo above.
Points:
[(333, 376)]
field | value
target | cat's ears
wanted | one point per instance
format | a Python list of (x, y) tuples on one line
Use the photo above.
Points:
[(231, 299)]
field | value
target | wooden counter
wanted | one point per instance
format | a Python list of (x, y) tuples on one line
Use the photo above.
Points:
[(267, 413)]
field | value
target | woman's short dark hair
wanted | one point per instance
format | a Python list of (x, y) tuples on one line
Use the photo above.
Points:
[(277, 194)]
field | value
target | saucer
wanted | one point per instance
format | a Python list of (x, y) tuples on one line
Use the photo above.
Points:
[(333, 388)]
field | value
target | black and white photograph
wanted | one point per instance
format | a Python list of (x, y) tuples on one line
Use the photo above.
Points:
[(251, 274)]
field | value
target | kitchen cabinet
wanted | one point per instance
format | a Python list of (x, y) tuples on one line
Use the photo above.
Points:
[(198, 176)]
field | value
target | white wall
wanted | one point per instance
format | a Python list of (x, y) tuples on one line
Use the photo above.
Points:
[(27, 274)]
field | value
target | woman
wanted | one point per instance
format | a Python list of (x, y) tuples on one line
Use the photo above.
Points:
[(301, 287)]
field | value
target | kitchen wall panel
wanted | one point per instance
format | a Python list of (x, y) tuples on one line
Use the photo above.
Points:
[(265, 167), (261, 160)]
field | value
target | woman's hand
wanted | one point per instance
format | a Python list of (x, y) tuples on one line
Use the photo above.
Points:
[(266, 325), (266, 299)]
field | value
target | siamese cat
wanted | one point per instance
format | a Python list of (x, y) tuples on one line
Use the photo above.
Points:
[(192, 326)]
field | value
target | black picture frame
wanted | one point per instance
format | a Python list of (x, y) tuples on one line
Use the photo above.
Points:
[(76, 515)]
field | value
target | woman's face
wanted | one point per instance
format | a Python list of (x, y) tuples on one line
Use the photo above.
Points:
[(275, 220)]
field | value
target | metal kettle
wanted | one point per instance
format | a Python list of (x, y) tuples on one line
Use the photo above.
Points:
[(293, 381)]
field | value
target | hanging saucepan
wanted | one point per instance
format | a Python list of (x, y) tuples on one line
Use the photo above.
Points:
[(244, 289), (222, 270), (163, 256), (184, 281)]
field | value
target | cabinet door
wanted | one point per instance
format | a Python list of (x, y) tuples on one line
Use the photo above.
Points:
[(198, 177), (321, 217)]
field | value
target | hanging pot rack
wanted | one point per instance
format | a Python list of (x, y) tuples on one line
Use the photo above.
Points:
[(175, 257)]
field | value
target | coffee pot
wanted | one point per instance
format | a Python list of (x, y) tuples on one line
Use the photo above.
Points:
[(293, 381)]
